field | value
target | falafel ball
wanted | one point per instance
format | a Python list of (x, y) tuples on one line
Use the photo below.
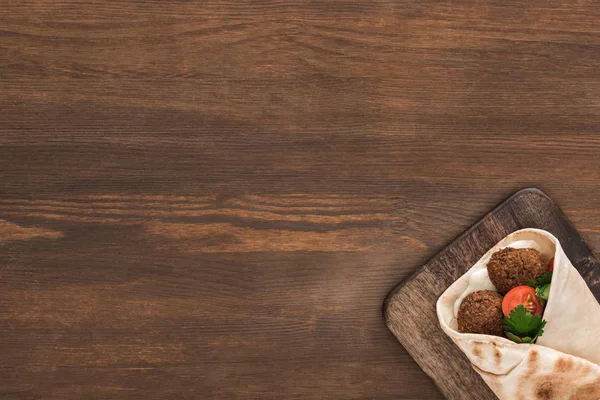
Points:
[(481, 312), (509, 268)]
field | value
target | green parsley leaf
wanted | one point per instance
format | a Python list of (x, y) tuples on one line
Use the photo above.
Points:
[(518, 339), (513, 337), (544, 279), (541, 281), (523, 326)]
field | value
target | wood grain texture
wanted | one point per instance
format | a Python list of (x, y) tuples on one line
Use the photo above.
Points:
[(433, 350), (212, 199)]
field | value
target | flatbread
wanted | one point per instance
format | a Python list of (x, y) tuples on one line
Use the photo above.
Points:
[(564, 363)]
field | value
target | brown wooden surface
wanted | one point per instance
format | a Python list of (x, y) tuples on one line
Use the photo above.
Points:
[(212, 199), (414, 326)]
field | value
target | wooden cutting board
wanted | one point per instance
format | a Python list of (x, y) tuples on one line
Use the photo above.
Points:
[(409, 309)]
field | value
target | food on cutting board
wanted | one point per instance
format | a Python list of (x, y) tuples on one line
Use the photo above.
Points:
[(517, 314), (481, 312), (510, 267), (526, 320)]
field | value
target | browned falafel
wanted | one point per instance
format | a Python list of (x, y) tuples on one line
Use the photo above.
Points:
[(509, 268), (481, 312)]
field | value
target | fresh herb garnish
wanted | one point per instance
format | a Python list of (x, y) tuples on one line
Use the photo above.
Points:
[(518, 339), (541, 281), (544, 279), (522, 326)]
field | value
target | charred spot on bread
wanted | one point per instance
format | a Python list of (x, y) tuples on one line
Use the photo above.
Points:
[(544, 391)]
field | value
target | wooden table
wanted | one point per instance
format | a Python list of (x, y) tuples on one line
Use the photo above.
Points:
[(210, 200)]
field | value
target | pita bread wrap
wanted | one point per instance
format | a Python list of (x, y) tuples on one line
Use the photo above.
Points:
[(564, 363)]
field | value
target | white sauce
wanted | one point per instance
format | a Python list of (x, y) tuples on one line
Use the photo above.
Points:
[(526, 244)]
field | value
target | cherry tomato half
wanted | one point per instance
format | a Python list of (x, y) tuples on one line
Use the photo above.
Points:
[(551, 264), (522, 295)]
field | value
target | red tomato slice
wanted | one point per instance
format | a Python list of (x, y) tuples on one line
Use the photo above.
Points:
[(551, 264), (522, 295)]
